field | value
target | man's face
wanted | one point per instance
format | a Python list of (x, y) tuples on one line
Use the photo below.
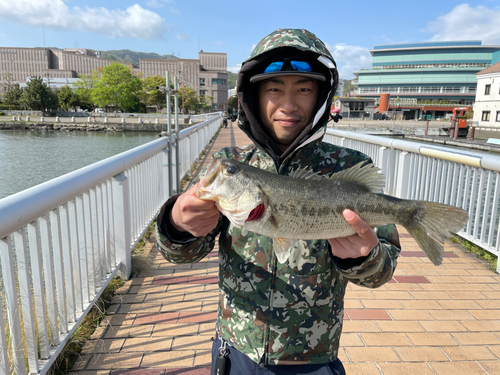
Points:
[(286, 105)]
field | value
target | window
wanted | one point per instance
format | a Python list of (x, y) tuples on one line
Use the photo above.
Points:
[(202, 92), (485, 116), (498, 116), (218, 81), (487, 89), (202, 81)]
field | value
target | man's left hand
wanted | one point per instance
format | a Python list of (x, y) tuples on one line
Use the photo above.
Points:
[(357, 245)]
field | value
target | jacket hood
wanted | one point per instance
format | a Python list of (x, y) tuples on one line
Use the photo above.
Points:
[(285, 43)]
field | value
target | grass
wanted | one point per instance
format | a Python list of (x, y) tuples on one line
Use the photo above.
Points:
[(470, 247), (70, 353)]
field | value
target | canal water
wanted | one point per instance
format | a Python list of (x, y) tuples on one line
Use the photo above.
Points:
[(29, 158)]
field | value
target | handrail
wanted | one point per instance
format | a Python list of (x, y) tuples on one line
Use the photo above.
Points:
[(31, 203), (62, 242), (417, 170)]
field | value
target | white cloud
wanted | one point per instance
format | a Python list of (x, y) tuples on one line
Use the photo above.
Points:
[(175, 11), (235, 69), (113, 23), (350, 59), (182, 37), (158, 3), (467, 23)]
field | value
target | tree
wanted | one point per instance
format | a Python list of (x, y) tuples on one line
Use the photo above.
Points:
[(150, 95), (37, 96), (67, 98), (13, 96), (117, 86), (348, 87), (189, 99), (232, 104), (231, 80), (84, 88)]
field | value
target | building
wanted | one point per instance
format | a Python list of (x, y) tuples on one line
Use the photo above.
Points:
[(425, 79), (487, 104), (355, 108), (207, 75), (20, 63)]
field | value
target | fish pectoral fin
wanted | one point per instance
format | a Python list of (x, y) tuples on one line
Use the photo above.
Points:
[(283, 248)]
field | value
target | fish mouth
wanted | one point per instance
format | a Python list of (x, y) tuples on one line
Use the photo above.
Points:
[(204, 189), (211, 173)]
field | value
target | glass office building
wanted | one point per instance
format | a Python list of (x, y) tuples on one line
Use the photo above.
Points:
[(428, 78)]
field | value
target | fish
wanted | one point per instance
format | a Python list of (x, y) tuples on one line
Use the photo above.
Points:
[(309, 206)]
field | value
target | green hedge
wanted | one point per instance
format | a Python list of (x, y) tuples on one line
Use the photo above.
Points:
[(12, 107)]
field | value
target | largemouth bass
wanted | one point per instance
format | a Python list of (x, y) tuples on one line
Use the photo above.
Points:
[(307, 206)]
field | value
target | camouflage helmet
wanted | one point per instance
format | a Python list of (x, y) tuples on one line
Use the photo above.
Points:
[(297, 38)]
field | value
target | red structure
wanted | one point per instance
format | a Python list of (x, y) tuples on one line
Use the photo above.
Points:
[(384, 102)]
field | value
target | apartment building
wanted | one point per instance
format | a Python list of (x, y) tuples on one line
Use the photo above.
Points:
[(487, 104), (207, 75), (428, 78)]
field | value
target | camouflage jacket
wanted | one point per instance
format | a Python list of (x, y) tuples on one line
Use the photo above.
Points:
[(285, 313)]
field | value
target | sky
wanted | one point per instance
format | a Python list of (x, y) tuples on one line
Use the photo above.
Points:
[(184, 27)]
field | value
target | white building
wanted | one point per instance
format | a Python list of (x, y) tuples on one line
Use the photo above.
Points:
[(487, 104)]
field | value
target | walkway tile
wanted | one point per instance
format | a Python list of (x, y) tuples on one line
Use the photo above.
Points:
[(469, 353), (432, 339), (457, 368), (421, 354), (379, 354), (405, 368), (198, 317), (477, 338), (361, 369), (367, 314), (157, 318)]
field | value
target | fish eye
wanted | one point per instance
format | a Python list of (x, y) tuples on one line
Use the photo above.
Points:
[(231, 169)]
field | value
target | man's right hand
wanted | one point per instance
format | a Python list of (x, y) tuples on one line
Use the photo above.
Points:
[(194, 215)]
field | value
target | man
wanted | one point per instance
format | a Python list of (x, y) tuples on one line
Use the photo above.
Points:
[(278, 318)]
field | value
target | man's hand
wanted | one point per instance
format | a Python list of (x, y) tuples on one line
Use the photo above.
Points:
[(357, 245), (194, 215)]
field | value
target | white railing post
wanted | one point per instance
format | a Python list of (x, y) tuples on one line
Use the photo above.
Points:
[(23, 271), (48, 276), (4, 360), (403, 175), (39, 297), (121, 209), (10, 291)]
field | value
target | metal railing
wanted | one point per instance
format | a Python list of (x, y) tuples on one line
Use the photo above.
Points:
[(62, 242), (421, 171)]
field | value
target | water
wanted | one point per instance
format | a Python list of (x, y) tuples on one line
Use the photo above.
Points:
[(29, 158)]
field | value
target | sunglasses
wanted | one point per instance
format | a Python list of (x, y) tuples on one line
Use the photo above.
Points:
[(278, 66)]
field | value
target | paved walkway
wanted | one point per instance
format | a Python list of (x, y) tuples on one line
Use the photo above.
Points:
[(427, 320)]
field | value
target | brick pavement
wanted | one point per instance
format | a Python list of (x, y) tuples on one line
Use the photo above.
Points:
[(427, 320)]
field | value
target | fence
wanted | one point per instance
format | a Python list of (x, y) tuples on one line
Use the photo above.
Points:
[(61, 242), (421, 171)]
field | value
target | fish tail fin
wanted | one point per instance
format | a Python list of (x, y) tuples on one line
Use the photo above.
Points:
[(432, 224)]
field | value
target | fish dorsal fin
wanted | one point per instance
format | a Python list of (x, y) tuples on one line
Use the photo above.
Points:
[(306, 174), (365, 175)]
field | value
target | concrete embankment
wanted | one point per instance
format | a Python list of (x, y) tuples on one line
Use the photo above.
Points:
[(88, 127)]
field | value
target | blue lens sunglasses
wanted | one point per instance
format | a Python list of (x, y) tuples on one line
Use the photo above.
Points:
[(288, 65)]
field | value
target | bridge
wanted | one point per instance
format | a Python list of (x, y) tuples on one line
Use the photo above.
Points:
[(63, 241)]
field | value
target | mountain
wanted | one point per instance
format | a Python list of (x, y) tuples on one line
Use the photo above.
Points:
[(126, 55)]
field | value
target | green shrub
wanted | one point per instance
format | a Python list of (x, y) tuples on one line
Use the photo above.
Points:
[(479, 251)]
